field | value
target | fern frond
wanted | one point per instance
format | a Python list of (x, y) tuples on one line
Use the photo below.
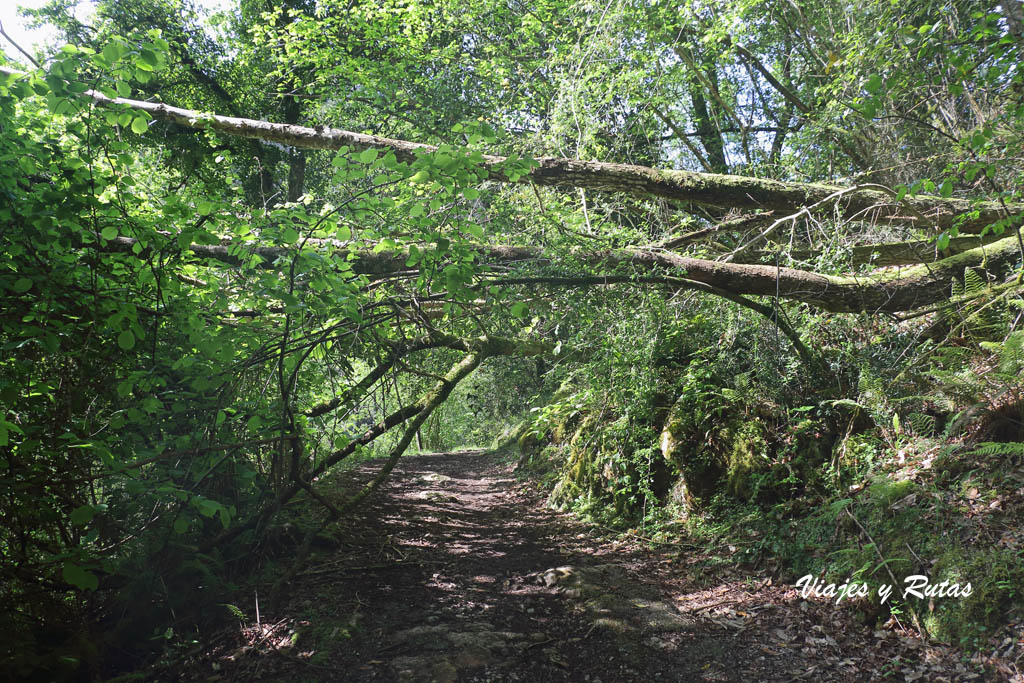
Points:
[(999, 449), (1011, 356), (921, 424), (235, 611), (974, 280), (846, 403)]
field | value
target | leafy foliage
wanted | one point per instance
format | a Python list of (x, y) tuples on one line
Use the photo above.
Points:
[(190, 337)]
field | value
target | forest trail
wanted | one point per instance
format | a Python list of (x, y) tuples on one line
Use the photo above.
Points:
[(456, 572)]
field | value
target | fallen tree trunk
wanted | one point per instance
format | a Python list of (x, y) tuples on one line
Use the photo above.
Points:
[(888, 291), (891, 291), (867, 202)]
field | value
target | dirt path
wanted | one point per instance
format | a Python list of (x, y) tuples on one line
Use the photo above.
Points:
[(456, 573)]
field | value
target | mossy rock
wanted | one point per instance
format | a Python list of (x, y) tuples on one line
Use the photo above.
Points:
[(579, 475), (564, 427), (996, 576), (746, 455), (511, 436), (527, 442), (726, 461), (740, 458)]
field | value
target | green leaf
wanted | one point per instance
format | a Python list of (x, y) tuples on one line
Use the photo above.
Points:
[(139, 125), (180, 525), (204, 208), (111, 52), (207, 507), (873, 84), (82, 515), (385, 244), (368, 156), (80, 578), (471, 193), (126, 340), (519, 309), (290, 236), (22, 285), (147, 60), (475, 229), (416, 210), (109, 232), (946, 190)]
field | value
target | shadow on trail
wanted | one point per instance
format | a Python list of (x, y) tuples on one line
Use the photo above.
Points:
[(454, 571)]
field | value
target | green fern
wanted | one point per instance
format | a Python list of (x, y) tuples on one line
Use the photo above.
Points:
[(980, 309), (846, 403), (999, 449), (1011, 358), (974, 280), (921, 424), (872, 394), (1010, 352), (235, 611)]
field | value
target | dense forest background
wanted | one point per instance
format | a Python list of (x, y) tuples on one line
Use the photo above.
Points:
[(746, 272)]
